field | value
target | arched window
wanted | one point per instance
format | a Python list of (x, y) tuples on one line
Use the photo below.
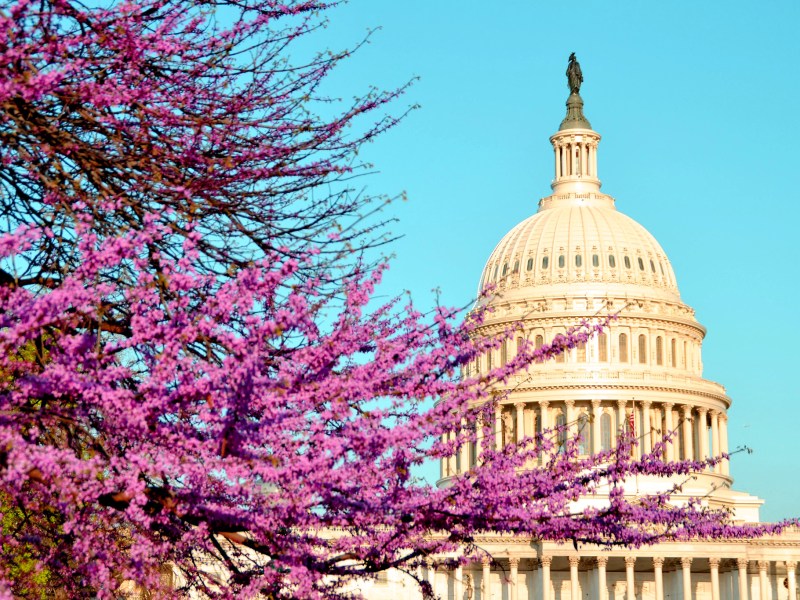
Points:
[(602, 347), (489, 364), (642, 349), (605, 431), (530, 264), (496, 267), (539, 341), (545, 262), (503, 353), (478, 364), (623, 347), (561, 431), (580, 352), (561, 261), (673, 351), (626, 259), (595, 260), (505, 269), (641, 263), (516, 266), (584, 433), (659, 351), (519, 345), (612, 262), (578, 260), (652, 266), (685, 352)]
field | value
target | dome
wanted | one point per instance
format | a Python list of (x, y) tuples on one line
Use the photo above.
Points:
[(574, 241)]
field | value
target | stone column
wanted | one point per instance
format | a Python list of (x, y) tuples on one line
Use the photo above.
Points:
[(668, 425), (465, 466), (715, 438), (569, 414), (763, 582), (545, 562), (602, 585), (741, 566), (431, 569), (444, 462), (686, 565), (687, 432), (723, 443), (594, 160), (544, 415), (702, 433), (486, 585), (513, 573), (713, 563), (621, 420), (630, 581), (596, 434), (498, 427), (573, 578), (519, 407), (478, 439), (791, 577), (557, 150), (458, 582), (563, 152), (658, 573), (647, 443)]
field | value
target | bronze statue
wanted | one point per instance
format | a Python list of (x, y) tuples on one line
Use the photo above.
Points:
[(574, 75)]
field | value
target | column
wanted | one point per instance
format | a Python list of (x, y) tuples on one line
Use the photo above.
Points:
[(544, 415), (584, 159), (563, 152), (670, 455), (702, 433), (602, 585), (479, 439), (763, 583), (570, 417), (595, 426), (715, 438), (594, 160), (458, 582), (431, 569), (519, 407), (573, 578), (791, 566), (630, 581), (723, 443), (444, 462), (713, 563), (621, 420), (486, 584), (687, 432), (741, 565), (647, 445), (557, 150), (498, 427), (686, 565), (545, 561), (513, 574), (658, 573)]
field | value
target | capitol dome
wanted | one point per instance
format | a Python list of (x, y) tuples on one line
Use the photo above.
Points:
[(580, 240)]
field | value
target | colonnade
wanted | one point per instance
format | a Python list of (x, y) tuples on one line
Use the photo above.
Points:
[(576, 158), (643, 578), (652, 420)]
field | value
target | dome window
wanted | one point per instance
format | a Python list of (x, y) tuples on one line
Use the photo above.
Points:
[(652, 266), (642, 349), (659, 351), (641, 263), (627, 261), (661, 266), (595, 260), (496, 268), (516, 267), (612, 262), (505, 269), (578, 260), (561, 261), (602, 347), (623, 347), (545, 262), (530, 264)]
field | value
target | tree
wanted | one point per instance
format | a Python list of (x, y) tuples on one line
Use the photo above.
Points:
[(210, 382)]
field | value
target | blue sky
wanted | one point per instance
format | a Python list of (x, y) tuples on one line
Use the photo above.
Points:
[(697, 106)]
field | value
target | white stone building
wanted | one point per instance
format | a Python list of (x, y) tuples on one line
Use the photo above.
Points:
[(579, 257)]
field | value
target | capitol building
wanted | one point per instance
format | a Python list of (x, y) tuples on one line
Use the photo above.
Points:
[(578, 258)]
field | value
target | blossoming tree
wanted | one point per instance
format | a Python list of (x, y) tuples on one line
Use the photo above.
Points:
[(193, 373)]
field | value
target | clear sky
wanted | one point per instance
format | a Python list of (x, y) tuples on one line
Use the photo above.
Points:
[(697, 106)]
